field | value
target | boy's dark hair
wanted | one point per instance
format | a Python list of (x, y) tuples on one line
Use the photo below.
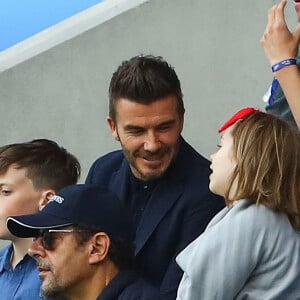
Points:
[(47, 164), (144, 79)]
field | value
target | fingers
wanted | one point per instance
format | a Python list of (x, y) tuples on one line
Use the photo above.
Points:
[(271, 13), (277, 41), (271, 18), (270, 24), (276, 19), (279, 11), (282, 4)]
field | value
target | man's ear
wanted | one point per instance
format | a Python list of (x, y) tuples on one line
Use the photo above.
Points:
[(46, 196), (113, 128), (98, 248)]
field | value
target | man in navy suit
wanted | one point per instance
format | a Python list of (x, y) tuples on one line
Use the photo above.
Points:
[(157, 174)]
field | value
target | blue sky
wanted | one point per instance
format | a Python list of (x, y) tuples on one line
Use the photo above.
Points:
[(20, 19)]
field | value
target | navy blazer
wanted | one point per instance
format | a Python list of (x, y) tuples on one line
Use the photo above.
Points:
[(177, 212), (127, 285)]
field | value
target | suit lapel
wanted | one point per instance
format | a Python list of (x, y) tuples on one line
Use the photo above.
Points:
[(166, 193), (162, 199), (119, 181)]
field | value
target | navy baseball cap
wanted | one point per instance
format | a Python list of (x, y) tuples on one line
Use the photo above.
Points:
[(79, 204)]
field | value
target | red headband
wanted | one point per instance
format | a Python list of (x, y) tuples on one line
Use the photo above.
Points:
[(241, 114)]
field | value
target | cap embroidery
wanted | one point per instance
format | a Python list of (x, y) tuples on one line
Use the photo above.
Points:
[(57, 199)]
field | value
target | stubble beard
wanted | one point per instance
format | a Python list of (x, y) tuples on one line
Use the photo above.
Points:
[(52, 289), (131, 157)]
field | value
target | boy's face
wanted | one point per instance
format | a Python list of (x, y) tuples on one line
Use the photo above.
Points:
[(17, 197)]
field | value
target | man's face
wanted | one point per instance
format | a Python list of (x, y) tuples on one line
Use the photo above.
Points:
[(17, 197), (64, 267), (149, 134)]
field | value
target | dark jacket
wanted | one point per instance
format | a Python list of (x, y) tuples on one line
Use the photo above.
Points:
[(178, 210), (128, 286)]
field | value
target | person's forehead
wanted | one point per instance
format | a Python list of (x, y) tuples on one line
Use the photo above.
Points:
[(14, 173), (227, 134), (168, 100), (129, 108)]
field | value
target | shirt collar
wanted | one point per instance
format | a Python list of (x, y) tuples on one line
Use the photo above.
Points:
[(5, 259), (138, 184)]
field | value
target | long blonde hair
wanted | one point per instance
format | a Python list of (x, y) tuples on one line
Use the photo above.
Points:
[(267, 154)]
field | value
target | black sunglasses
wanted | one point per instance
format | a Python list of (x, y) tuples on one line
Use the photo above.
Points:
[(48, 237)]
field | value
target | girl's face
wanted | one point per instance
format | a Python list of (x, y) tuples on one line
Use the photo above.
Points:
[(223, 164)]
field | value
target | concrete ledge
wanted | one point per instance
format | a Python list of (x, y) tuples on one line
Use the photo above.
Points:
[(64, 30)]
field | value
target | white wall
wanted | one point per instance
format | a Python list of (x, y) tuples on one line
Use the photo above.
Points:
[(61, 94)]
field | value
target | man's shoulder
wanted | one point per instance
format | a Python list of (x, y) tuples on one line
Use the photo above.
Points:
[(104, 166), (129, 285), (140, 289), (109, 162), (112, 158)]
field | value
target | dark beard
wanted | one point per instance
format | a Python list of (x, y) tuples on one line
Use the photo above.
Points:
[(54, 295)]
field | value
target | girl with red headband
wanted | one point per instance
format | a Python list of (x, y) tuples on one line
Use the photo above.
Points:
[(251, 249)]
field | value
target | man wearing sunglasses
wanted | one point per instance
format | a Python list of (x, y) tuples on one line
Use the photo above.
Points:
[(30, 174), (84, 246)]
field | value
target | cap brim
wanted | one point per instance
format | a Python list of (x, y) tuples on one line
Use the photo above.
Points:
[(26, 226)]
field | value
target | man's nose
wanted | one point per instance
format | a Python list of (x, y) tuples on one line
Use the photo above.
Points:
[(152, 142), (36, 249)]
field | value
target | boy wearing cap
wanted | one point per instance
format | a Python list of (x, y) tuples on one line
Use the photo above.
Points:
[(30, 174), (84, 246)]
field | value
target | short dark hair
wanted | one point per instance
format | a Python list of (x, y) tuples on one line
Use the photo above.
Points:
[(121, 252), (144, 79), (48, 165)]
